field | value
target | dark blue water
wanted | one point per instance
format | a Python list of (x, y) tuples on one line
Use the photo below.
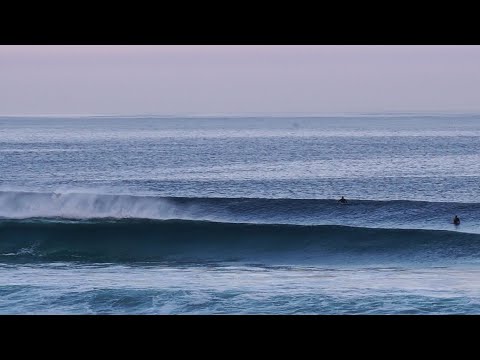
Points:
[(239, 215)]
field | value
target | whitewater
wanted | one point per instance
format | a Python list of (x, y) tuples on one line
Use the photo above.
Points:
[(146, 215)]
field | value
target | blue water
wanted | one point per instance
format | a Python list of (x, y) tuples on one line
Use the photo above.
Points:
[(146, 215)]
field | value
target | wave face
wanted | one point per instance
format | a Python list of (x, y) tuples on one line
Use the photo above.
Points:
[(200, 241), (359, 213), (126, 228)]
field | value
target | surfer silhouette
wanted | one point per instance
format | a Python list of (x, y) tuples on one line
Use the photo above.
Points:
[(456, 220), (343, 200)]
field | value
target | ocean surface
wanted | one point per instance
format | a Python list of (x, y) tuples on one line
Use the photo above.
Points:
[(232, 215)]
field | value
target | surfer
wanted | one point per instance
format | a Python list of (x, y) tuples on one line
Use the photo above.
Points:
[(456, 220), (342, 200)]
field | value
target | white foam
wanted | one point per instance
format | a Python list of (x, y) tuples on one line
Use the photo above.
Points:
[(69, 204)]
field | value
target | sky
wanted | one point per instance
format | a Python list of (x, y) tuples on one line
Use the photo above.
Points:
[(207, 79)]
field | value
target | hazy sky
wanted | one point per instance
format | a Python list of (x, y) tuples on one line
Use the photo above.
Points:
[(237, 79)]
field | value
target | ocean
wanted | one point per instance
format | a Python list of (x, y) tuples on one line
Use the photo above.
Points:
[(240, 215)]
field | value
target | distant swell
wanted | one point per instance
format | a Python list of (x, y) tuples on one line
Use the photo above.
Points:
[(200, 241)]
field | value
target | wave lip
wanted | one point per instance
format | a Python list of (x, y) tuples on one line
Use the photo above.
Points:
[(139, 240)]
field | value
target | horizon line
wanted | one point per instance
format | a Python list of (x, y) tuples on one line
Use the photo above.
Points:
[(253, 114)]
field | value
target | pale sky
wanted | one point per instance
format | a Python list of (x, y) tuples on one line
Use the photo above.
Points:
[(201, 79)]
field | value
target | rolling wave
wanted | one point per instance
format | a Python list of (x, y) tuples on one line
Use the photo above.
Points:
[(359, 213), (23, 204), (137, 240)]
